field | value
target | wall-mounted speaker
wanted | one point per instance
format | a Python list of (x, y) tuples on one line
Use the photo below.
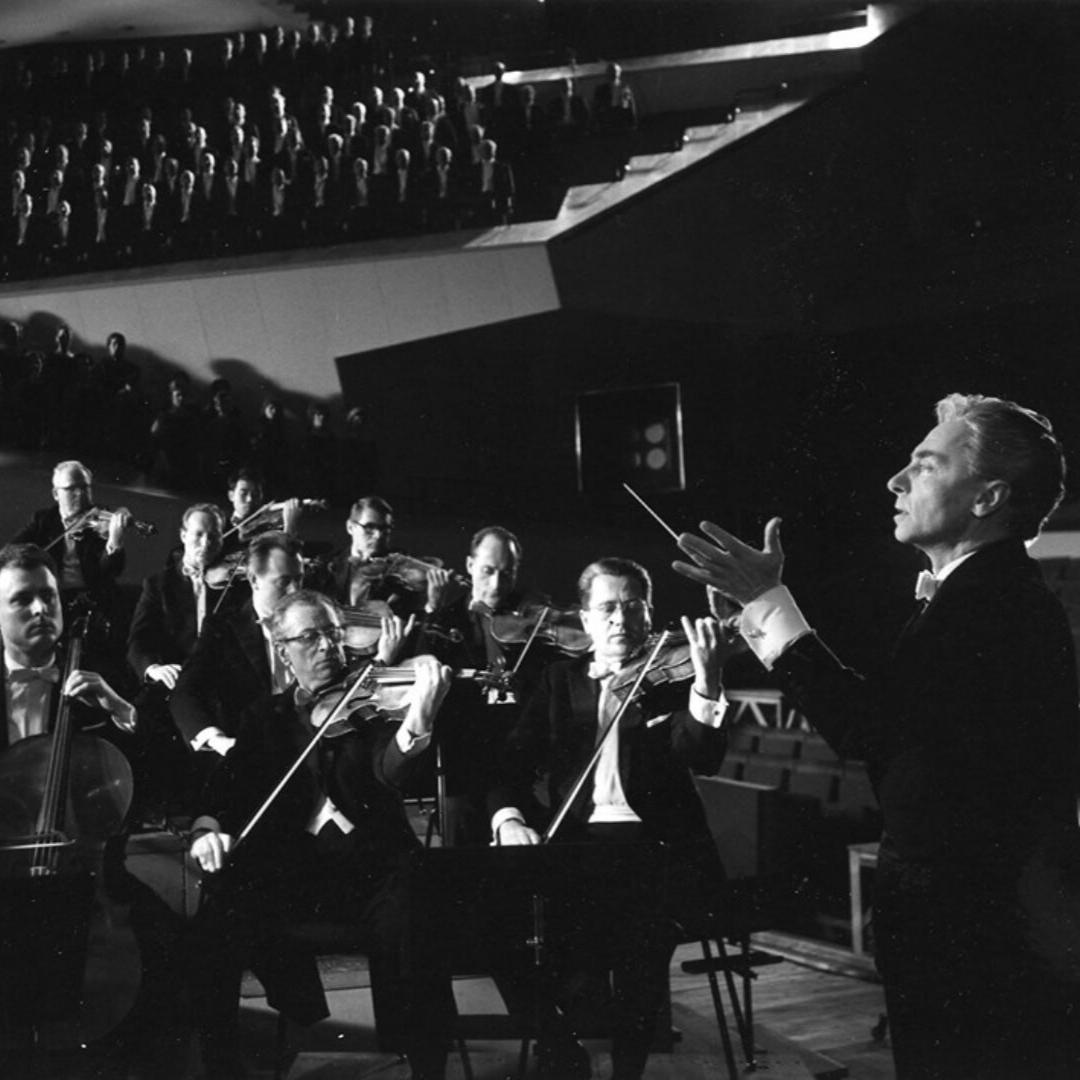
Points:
[(631, 436)]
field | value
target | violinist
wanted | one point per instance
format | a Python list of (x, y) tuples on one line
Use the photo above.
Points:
[(246, 492), (166, 624), (234, 661), (175, 601), (334, 845), (476, 718), (368, 571), (89, 561), (35, 935), (639, 791)]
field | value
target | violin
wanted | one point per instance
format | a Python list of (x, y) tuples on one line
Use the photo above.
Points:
[(407, 573), (560, 627), (222, 573), (672, 663), (363, 626), (98, 520), (383, 689), (269, 516)]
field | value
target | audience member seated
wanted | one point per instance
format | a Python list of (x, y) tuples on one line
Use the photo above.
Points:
[(256, 145), (614, 109)]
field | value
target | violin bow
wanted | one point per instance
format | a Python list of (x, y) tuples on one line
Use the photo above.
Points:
[(75, 526), (233, 573), (532, 638), (264, 509), (324, 727), (613, 723), (729, 626)]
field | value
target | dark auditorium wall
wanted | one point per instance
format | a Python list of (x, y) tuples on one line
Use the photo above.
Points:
[(806, 425)]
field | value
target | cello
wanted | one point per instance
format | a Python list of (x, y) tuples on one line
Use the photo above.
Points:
[(69, 971)]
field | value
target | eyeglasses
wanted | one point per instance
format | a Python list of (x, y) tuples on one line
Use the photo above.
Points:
[(631, 608), (369, 529), (312, 639)]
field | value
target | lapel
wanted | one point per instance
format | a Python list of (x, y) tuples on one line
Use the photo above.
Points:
[(584, 700), (252, 644), (989, 568), (179, 598)]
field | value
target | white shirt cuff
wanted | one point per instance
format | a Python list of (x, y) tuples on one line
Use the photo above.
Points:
[(125, 719), (204, 737), (706, 711), (410, 744), (501, 817), (771, 623)]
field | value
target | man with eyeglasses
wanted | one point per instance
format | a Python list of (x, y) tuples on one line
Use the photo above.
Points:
[(356, 578), (639, 791), (334, 845)]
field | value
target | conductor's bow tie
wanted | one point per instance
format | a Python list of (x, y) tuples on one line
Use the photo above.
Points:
[(926, 585)]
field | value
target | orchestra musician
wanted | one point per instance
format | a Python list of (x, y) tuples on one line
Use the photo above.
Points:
[(169, 614), (175, 601), (234, 660), (351, 578), (246, 492), (334, 845), (34, 935), (88, 561), (475, 718), (640, 791)]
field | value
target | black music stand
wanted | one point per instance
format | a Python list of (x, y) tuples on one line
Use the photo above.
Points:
[(506, 909)]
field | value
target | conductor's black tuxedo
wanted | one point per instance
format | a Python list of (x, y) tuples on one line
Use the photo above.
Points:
[(970, 735)]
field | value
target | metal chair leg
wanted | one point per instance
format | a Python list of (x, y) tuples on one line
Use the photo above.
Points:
[(718, 1006)]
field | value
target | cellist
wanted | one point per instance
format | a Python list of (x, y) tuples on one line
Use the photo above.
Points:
[(31, 623)]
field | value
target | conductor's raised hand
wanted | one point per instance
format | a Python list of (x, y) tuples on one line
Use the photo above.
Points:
[(741, 572)]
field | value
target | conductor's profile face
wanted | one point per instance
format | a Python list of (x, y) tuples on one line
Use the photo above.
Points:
[(616, 617), (936, 490), (30, 615), (310, 640)]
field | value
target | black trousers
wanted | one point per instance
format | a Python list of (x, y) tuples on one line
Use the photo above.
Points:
[(245, 922), (966, 998), (612, 924)]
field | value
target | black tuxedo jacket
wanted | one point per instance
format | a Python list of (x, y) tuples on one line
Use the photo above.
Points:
[(557, 734), (970, 732), (163, 628), (99, 570), (225, 673), (360, 770)]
